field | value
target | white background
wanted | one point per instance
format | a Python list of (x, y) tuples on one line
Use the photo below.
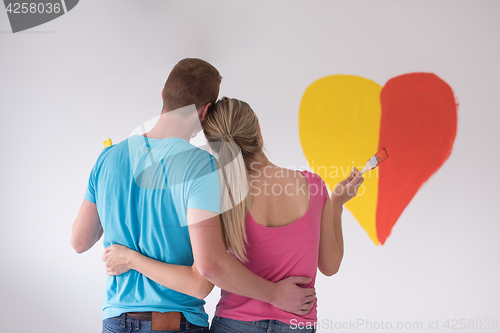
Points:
[(98, 71)]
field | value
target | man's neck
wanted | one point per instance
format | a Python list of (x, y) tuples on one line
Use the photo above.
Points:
[(170, 129), (174, 125)]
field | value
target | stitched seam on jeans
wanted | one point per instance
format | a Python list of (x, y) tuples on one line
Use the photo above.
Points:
[(106, 329), (256, 323), (302, 330)]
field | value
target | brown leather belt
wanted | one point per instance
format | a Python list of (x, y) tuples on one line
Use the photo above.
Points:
[(168, 321)]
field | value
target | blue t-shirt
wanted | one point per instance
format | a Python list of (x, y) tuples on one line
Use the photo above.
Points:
[(142, 188)]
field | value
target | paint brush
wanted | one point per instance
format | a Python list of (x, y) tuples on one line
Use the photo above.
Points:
[(374, 161)]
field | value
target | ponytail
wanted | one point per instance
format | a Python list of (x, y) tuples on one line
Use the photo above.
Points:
[(231, 129)]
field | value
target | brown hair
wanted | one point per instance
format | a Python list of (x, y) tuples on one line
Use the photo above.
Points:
[(191, 81), (231, 128)]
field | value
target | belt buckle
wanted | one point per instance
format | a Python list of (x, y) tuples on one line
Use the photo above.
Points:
[(167, 321)]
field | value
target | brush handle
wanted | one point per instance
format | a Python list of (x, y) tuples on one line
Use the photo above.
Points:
[(367, 167)]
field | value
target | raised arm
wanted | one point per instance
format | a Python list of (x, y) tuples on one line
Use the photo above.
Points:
[(222, 269), (87, 229), (185, 279), (331, 244)]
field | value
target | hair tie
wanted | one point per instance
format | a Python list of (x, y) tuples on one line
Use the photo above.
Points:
[(226, 135)]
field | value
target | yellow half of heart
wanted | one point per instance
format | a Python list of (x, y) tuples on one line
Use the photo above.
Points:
[(339, 127)]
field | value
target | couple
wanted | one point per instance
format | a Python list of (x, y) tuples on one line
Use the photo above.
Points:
[(163, 208)]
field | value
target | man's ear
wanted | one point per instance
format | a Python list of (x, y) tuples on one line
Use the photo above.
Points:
[(202, 112)]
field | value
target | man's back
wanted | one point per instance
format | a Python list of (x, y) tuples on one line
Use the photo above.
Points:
[(142, 188)]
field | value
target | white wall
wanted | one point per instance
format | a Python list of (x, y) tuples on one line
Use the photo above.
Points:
[(98, 71)]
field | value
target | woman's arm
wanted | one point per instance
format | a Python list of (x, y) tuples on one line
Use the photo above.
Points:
[(185, 279), (331, 243)]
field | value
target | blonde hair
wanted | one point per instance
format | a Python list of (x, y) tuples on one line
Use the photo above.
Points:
[(231, 128)]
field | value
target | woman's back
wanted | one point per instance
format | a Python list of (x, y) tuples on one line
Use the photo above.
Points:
[(280, 196), (283, 230)]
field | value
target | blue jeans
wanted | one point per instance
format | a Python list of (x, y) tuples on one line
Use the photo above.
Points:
[(223, 325), (121, 324)]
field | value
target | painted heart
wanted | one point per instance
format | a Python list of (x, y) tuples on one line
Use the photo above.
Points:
[(345, 119), (27, 14)]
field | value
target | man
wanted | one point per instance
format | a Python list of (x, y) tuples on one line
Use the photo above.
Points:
[(159, 195)]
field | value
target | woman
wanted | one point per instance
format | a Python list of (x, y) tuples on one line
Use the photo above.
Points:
[(287, 226)]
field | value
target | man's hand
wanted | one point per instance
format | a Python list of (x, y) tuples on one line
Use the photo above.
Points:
[(117, 259), (292, 298)]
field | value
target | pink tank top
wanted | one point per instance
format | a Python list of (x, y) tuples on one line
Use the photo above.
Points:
[(277, 253)]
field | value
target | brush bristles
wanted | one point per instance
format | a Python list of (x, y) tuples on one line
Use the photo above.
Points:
[(382, 155)]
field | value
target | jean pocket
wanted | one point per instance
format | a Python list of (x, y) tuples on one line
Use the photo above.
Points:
[(112, 325)]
